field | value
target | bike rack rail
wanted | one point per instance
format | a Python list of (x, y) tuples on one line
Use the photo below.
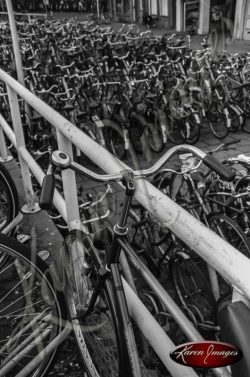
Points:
[(220, 255), (29, 15)]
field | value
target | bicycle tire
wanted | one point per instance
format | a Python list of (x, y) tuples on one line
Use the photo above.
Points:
[(136, 131), (191, 128), (236, 116), (98, 335), (10, 202), (174, 130), (218, 122), (191, 286), (245, 101), (155, 138), (40, 308), (231, 232), (114, 138)]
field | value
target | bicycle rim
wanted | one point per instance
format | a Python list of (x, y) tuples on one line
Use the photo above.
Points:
[(191, 285), (155, 138), (217, 121), (97, 334), (174, 131), (135, 133), (190, 129), (236, 118), (31, 311), (231, 232), (114, 138), (9, 205)]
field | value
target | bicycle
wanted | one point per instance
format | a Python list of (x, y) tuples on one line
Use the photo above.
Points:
[(91, 281)]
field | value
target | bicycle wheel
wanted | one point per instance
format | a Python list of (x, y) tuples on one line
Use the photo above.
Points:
[(136, 131), (98, 334), (155, 138), (31, 311), (192, 287), (114, 138), (181, 192), (231, 232), (236, 116), (218, 121), (9, 204), (191, 127), (174, 130), (245, 100)]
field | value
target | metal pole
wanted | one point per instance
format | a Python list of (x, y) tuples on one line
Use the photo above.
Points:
[(155, 335), (3, 149), (114, 7), (31, 206), (98, 8), (34, 167), (69, 186), (15, 41), (2, 6), (17, 53)]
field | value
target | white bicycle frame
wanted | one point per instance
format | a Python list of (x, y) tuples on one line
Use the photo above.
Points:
[(224, 258)]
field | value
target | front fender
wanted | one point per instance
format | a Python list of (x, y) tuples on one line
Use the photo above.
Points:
[(139, 118)]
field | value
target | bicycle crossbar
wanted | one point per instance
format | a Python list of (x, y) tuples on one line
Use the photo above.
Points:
[(223, 257)]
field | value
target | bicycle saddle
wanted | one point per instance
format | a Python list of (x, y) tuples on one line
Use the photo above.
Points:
[(234, 320)]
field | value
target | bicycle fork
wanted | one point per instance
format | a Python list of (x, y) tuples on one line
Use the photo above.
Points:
[(130, 364)]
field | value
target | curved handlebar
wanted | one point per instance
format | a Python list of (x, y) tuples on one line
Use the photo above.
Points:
[(62, 160)]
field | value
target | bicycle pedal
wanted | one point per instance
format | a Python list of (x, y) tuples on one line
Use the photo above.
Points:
[(23, 238)]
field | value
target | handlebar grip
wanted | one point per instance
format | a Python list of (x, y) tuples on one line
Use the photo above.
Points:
[(47, 193), (219, 168)]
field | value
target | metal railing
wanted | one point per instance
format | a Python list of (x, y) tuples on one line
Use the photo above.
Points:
[(224, 258), (231, 264), (28, 15)]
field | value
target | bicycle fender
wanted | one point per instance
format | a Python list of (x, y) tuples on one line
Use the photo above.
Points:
[(126, 138), (163, 124), (228, 118), (139, 118)]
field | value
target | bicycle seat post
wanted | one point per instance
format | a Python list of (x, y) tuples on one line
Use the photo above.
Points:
[(120, 229)]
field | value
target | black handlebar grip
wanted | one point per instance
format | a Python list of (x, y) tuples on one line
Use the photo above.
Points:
[(223, 171), (47, 193)]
